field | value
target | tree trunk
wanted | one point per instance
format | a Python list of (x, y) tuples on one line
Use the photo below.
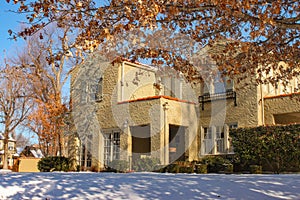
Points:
[(5, 158)]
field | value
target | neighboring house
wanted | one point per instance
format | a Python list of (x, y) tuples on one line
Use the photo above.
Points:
[(29, 158), (134, 111), (11, 150)]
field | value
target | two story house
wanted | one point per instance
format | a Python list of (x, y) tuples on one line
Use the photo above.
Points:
[(125, 110), (11, 150)]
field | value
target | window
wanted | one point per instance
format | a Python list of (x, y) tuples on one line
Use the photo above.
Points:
[(220, 139), (99, 88), (111, 147), (214, 140), (95, 90), (86, 154), (172, 86), (219, 85), (208, 142), (233, 125), (10, 146), (83, 93)]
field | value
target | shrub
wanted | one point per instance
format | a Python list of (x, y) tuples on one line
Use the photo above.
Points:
[(255, 169), (216, 164), (186, 169), (201, 168), (146, 164), (119, 165), (172, 168), (275, 148), (54, 163)]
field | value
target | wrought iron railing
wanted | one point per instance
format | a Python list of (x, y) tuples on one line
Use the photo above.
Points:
[(229, 94)]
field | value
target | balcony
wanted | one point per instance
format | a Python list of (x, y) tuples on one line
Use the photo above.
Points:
[(229, 94)]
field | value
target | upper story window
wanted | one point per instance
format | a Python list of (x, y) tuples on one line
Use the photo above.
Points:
[(92, 91), (11, 146), (96, 91), (218, 85), (172, 86)]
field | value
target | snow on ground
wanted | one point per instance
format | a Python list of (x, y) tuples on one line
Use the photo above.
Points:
[(58, 185)]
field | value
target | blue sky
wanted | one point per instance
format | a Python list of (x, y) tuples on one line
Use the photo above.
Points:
[(8, 20)]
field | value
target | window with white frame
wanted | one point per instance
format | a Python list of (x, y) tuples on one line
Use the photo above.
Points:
[(11, 146), (215, 139), (218, 85), (86, 151), (220, 139), (208, 141), (111, 146)]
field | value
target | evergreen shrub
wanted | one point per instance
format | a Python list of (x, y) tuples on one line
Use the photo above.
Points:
[(54, 163), (275, 148)]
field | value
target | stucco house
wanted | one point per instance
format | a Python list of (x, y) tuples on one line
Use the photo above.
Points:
[(127, 110), (11, 150)]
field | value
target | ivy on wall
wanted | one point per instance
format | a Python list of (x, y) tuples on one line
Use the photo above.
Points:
[(275, 148)]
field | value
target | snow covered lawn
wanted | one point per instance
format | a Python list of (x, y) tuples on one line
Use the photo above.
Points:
[(147, 186)]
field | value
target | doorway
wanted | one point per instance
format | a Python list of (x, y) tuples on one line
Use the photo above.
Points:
[(177, 143)]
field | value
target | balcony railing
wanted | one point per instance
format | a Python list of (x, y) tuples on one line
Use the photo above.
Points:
[(229, 94)]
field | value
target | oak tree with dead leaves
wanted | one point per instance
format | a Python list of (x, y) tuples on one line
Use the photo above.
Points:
[(260, 32)]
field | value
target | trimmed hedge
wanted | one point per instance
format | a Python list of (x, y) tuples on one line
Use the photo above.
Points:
[(217, 164), (275, 148), (119, 165), (145, 164), (54, 163)]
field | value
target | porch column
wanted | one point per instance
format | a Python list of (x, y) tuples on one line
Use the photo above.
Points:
[(226, 138), (129, 146), (214, 141), (202, 143)]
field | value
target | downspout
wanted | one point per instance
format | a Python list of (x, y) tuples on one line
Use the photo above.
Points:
[(122, 82), (262, 106)]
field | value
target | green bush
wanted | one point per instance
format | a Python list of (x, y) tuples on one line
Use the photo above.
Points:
[(201, 168), (186, 169), (228, 168), (146, 164), (172, 168), (216, 164), (255, 169), (275, 148), (119, 165), (54, 163)]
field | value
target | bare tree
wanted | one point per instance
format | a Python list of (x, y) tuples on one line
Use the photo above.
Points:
[(22, 140), (15, 104), (49, 62)]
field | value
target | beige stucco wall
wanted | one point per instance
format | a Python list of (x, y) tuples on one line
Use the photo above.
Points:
[(28, 164), (135, 81), (246, 113), (281, 105)]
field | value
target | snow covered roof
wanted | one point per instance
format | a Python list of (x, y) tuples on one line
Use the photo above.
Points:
[(37, 153)]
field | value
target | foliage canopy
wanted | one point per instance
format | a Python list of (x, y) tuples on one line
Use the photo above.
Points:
[(260, 32)]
